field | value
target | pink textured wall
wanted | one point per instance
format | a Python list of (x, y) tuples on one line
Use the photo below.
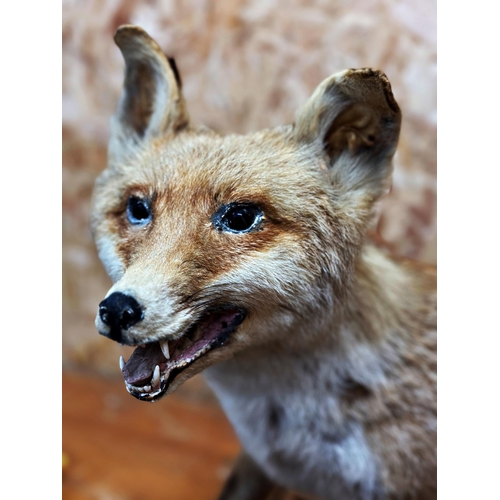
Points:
[(245, 65)]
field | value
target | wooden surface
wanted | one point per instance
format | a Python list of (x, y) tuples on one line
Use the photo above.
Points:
[(119, 448)]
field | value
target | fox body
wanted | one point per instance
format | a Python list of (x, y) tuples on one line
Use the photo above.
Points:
[(247, 257)]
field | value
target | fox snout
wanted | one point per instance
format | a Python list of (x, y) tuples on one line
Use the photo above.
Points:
[(119, 312), (168, 340)]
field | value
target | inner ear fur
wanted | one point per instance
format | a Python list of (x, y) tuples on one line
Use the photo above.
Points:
[(151, 103), (354, 121)]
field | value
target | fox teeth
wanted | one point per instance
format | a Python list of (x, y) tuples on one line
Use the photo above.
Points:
[(122, 363), (164, 348), (155, 381)]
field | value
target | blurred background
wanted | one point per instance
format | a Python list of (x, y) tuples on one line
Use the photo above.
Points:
[(245, 65)]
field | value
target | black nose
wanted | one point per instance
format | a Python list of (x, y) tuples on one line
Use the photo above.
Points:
[(120, 312)]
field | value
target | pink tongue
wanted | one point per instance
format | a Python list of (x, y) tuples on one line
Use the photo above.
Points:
[(138, 370)]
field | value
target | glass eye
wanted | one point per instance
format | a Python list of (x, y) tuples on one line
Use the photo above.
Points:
[(238, 218), (138, 211)]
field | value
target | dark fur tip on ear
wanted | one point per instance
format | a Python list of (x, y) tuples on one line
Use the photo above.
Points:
[(135, 43), (127, 31), (177, 75), (383, 82)]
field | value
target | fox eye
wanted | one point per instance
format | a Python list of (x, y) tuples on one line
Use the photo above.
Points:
[(237, 217), (138, 211)]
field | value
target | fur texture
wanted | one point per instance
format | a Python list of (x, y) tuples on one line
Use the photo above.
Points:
[(329, 381)]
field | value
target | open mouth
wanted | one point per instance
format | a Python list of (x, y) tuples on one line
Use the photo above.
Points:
[(152, 367)]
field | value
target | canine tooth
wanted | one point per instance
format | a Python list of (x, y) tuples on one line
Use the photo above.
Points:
[(164, 348), (122, 363), (156, 377)]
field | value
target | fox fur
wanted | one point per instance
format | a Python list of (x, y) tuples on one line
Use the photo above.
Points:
[(330, 379)]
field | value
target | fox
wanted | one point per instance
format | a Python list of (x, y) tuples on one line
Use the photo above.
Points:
[(248, 258)]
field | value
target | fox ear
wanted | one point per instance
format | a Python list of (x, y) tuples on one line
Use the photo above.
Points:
[(151, 103), (353, 121)]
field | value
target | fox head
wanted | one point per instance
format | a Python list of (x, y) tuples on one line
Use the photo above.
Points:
[(220, 244)]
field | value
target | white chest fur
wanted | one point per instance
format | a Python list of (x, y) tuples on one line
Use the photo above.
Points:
[(294, 429)]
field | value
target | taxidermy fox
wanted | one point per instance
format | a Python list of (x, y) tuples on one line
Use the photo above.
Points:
[(247, 257)]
